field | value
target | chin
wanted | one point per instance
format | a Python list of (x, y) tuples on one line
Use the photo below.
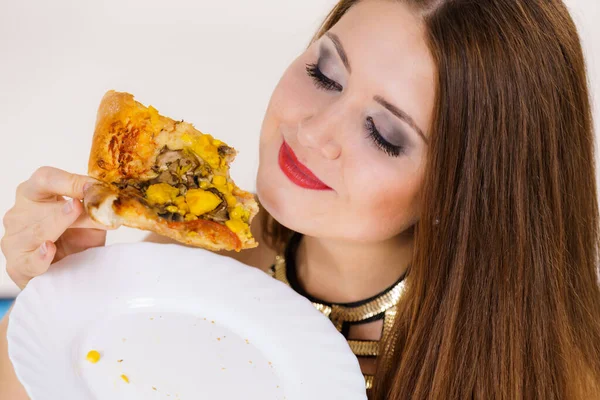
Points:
[(277, 202), (292, 211)]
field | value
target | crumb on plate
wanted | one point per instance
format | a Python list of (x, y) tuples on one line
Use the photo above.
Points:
[(93, 356)]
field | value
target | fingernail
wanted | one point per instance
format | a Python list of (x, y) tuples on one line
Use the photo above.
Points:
[(43, 249), (68, 207)]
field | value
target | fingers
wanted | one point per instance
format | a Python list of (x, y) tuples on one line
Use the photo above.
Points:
[(20, 218), (40, 219), (53, 220), (31, 264), (48, 182)]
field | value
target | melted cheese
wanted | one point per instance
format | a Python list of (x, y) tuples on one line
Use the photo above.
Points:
[(190, 217), (231, 200), (204, 147), (200, 201), (161, 193), (240, 213), (219, 181), (182, 205), (221, 184), (236, 225)]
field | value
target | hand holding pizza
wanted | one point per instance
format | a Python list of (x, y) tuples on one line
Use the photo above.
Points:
[(43, 227), (152, 173)]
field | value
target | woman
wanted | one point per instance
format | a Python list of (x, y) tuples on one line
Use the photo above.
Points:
[(435, 159)]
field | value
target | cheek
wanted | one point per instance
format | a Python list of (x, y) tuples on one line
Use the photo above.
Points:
[(285, 100), (387, 205), (294, 99), (290, 104)]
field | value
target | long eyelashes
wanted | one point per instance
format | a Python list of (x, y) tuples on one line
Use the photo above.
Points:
[(384, 145), (321, 80)]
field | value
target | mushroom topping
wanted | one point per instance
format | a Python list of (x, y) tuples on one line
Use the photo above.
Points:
[(188, 165), (177, 173), (166, 177), (168, 156), (173, 167), (174, 217), (203, 170), (192, 182), (182, 189), (226, 151), (220, 213), (176, 160)]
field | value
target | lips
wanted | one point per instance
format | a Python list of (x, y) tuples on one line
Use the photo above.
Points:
[(297, 172)]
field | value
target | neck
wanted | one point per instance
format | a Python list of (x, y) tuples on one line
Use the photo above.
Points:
[(339, 271)]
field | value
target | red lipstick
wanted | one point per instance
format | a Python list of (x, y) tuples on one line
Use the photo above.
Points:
[(297, 172)]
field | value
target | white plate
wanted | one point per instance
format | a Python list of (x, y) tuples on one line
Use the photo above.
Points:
[(181, 324)]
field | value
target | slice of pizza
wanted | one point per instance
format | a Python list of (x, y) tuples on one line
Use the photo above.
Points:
[(165, 176)]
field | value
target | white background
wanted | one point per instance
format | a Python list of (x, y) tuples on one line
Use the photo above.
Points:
[(212, 63)]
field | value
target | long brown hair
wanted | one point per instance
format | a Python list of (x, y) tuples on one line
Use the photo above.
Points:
[(503, 298)]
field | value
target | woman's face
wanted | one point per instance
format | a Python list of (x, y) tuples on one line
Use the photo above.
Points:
[(344, 139)]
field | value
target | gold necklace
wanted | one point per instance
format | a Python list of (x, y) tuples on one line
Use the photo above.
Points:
[(383, 305)]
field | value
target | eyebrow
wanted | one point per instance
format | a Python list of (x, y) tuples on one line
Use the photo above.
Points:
[(340, 49), (392, 108)]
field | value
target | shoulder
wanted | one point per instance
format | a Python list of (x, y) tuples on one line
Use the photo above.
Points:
[(261, 257)]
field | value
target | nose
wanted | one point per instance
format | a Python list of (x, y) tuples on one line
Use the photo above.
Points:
[(320, 132)]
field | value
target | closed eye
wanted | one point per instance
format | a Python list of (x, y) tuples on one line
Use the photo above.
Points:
[(321, 80), (388, 148)]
